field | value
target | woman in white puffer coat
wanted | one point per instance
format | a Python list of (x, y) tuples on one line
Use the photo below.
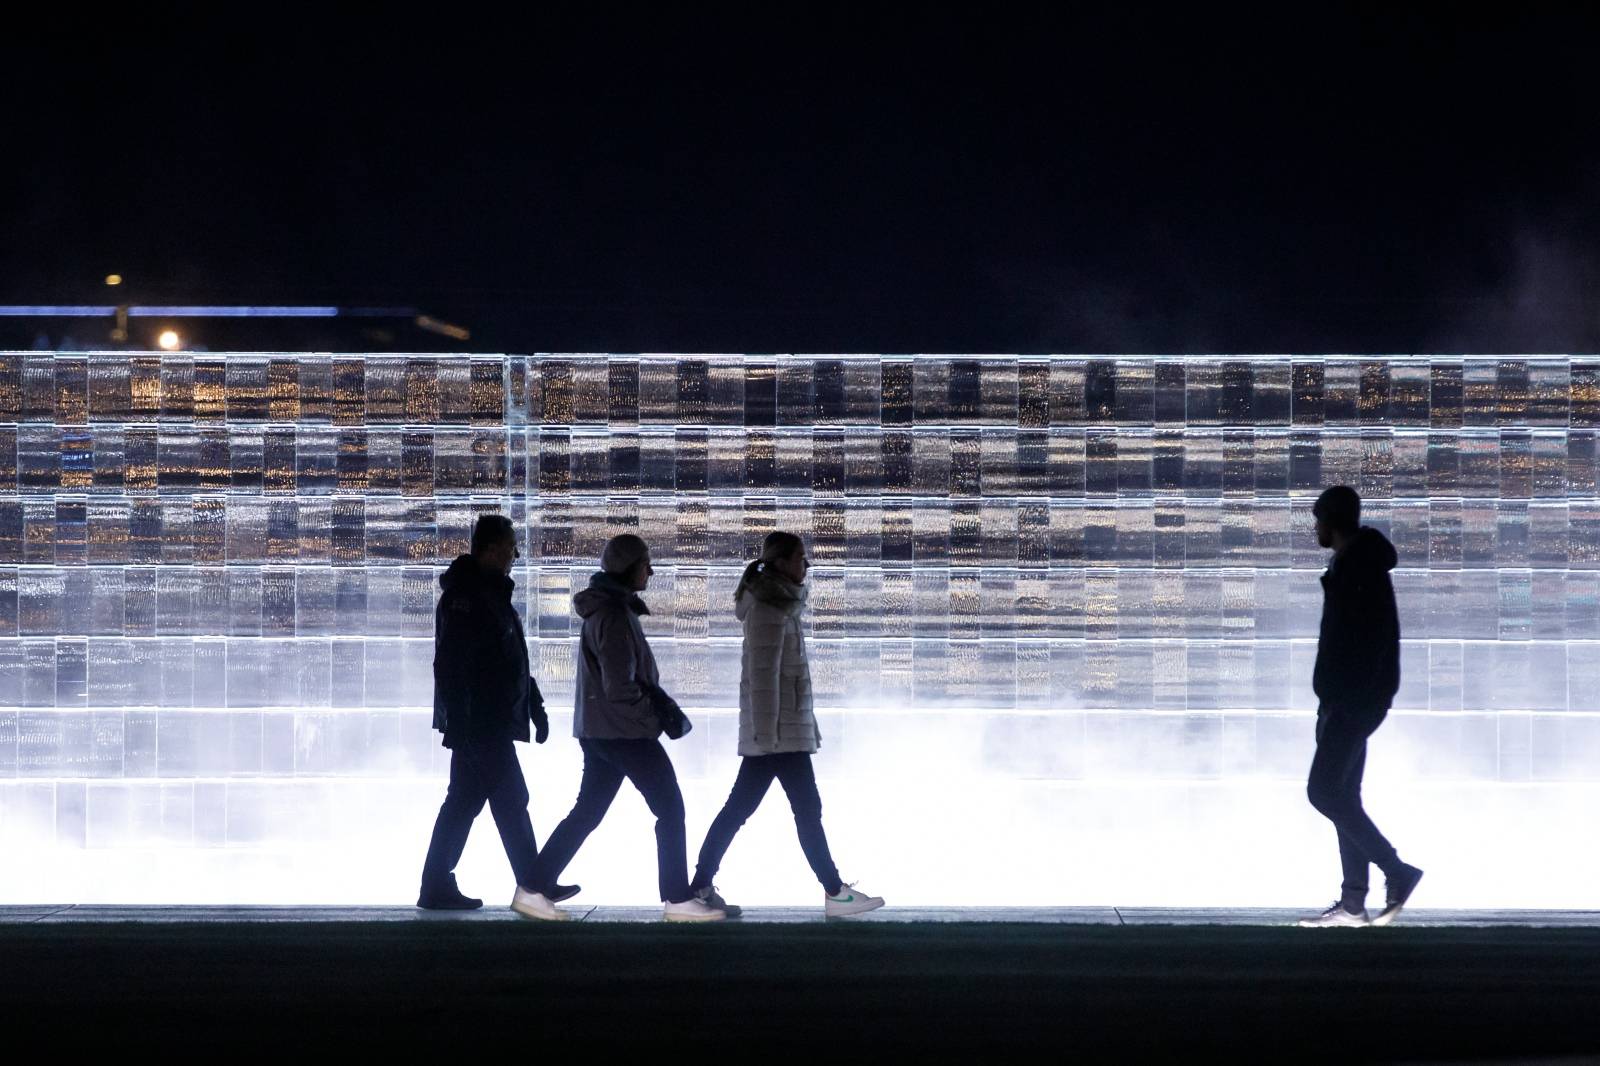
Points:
[(777, 729)]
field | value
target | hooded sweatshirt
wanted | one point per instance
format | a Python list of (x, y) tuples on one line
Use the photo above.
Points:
[(615, 666), (481, 685), (1358, 647), (775, 713)]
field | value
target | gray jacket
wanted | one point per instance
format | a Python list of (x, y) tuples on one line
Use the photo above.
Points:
[(614, 665), (775, 712)]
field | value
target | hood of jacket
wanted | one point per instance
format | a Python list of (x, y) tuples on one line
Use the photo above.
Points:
[(774, 591), (605, 592), (1369, 550), (465, 574)]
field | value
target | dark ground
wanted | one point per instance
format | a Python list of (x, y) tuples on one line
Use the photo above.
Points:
[(912, 992)]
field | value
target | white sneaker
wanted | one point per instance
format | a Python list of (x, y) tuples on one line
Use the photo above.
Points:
[(535, 905), (692, 910), (849, 900), (1336, 917), (713, 899)]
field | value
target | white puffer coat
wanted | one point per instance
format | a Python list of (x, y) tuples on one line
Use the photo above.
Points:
[(775, 712)]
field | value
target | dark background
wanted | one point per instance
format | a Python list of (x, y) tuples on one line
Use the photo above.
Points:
[(809, 178)]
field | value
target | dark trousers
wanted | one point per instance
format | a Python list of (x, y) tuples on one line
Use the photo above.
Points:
[(1334, 788), (482, 771), (606, 763), (756, 773)]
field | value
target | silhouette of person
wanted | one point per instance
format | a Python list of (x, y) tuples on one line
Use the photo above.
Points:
[(621, 712), (778, 731), (1355, 678), (483, 701)]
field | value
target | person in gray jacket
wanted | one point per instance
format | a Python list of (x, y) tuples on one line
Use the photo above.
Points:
[(777, 727), (620, 708)]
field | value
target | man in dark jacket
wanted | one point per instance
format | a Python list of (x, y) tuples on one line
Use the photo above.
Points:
[(620, 709), (1355, 678), (483, 700)]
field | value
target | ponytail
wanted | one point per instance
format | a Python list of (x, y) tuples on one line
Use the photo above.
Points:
[(750, 573), (776, 545)]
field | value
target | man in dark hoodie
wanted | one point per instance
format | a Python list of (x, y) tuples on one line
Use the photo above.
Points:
[(1355, 678), (483, 700), (620, 709)]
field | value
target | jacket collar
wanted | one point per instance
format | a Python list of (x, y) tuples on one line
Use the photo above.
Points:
[(471, 577), (778, 591), (608, 585)]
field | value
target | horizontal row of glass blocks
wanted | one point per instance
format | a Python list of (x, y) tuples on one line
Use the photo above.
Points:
[(910, 675), (799, 390), (275, 746), (1204, 604), (1163, 533), (1512, 463)]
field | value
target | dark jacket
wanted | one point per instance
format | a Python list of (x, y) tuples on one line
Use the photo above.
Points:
[(1358, 647), (481, 686), (615, 669)]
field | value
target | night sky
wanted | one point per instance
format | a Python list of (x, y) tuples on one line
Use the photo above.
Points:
[(1012, 179)]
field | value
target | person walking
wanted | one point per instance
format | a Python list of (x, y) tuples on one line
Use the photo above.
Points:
[(620, 712), (778, 731), (483, 701), (1356, 675)]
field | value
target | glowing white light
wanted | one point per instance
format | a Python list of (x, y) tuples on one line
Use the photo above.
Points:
[(1062, 619), (169, 340)]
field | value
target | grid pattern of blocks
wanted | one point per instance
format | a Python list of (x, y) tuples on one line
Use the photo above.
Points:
[(217, 573)]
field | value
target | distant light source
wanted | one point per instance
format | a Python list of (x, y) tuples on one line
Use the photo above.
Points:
[(113, 279), (434, 325), (55, 311), (169, 340), (231, 311)]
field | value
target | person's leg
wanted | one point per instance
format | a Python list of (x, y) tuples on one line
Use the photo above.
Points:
[(799, 780), (1337, 749), (501, 774), (749, 787), (646, 764), (601, 780), (1334, 788), (1358, 826), (463, 799), (1353, 860), (1400, 878)]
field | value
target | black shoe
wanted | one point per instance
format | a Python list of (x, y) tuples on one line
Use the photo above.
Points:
[(1396, 892), (560, 893), (448, 898), (1337, 916), (713, 899)]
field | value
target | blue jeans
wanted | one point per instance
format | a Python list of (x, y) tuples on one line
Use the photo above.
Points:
[(756, 774), (606, 763), (1334, 788), (481, 772)]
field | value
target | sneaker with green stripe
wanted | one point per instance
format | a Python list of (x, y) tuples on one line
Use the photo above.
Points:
[(850, 900)]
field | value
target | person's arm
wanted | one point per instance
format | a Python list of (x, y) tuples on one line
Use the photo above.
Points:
[(619, 666), (668, 714), (536, 712), (456, 650), (763, 647), (1370, 632)]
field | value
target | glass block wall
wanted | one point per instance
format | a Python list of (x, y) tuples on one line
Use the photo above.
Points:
[(1063, 612)]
